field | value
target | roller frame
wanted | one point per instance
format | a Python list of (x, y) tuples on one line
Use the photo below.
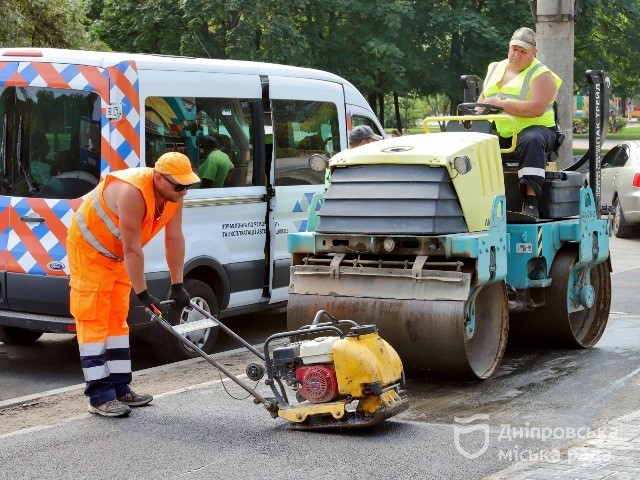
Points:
[(545, 239)]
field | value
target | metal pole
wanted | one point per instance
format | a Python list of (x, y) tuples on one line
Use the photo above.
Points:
[(555, 29)]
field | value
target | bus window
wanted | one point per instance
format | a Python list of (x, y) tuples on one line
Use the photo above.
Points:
[(184, 125), (302, 128)]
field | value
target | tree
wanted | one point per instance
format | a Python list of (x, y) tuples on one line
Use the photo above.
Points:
[(606, 37), (145, 26), (43, 23), (456, 37)]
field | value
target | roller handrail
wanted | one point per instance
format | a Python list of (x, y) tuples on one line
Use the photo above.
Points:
[(473, 118)]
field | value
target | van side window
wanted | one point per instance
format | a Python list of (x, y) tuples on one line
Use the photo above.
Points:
[(357, 120), (49, 142), (302, 128), (217, 134)]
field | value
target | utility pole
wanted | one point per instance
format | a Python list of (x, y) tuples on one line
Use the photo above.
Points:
[(555, 29)]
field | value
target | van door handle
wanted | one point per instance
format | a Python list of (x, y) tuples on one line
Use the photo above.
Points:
[(27, 218)]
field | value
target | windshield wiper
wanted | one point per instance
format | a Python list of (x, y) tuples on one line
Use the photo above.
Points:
[(3, 145), (27, 176)]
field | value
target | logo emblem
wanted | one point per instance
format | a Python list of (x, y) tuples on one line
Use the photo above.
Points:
[(55, 266), (459, 431), (397, 149)]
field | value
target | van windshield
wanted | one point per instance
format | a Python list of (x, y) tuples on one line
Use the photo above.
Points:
[(49, 142)]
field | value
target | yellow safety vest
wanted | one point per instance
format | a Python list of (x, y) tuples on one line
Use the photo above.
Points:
[(519, 88)]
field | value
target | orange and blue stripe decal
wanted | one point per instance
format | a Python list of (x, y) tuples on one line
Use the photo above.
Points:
[(40, 248)]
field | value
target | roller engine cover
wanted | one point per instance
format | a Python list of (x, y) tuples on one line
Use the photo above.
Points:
[(318, 383)]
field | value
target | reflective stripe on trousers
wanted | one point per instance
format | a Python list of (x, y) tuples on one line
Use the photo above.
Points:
[(99, 302), (531, 147)]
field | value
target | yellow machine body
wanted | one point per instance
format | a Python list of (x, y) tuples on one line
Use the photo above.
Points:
[(364, 360), (476, 189), (369, 370)]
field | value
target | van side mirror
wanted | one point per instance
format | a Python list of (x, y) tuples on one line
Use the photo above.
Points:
[(318, 163)]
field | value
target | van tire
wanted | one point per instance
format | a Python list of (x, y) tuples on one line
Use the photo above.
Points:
[(169, 349), (18, 336)]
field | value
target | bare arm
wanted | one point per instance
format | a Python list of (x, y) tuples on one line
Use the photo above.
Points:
[(543, 92), (174, 246), (130, 209)]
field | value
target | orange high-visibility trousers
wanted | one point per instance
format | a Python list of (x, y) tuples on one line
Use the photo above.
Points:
[(100, 291)]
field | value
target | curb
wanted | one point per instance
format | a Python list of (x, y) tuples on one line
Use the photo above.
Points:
[(18, 401)]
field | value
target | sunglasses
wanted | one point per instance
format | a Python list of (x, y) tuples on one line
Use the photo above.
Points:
[(178, 187)]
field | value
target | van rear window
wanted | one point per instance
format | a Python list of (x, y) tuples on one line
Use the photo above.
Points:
[(49, 142)]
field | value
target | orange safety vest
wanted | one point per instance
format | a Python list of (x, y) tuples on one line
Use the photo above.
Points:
[(95, 227)]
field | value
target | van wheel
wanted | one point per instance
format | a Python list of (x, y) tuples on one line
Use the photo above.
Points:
[(18, 336), (171, 349)]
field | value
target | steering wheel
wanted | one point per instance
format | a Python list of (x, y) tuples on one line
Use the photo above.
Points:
[(485, 109)]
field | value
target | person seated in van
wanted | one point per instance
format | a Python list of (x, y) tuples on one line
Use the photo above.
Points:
[(361, 135), (68, 160), (525, 89), (312, 142), (39, 166), (217, 165)]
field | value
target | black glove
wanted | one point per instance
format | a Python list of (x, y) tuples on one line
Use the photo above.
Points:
[(180, 297), (151, 302)]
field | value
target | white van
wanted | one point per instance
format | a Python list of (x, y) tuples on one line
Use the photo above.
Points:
[(67, 118)]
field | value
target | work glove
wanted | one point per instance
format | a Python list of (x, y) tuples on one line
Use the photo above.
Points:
[(151, 302), (180, 297)]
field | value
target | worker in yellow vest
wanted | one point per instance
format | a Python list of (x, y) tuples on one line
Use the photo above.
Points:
[(104, 246), (526, 89)]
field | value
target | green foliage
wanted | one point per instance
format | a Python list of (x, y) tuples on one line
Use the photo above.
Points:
[(143, 26), (418, 49), (43, 23), (606, 37)]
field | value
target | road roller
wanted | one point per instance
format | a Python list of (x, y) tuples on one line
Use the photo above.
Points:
[(422, 236)]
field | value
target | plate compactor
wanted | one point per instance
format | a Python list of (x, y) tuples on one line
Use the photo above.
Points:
[(343, 374)]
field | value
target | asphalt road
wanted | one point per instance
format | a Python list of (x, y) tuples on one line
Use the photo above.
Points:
[(203, 433), (53, 361)]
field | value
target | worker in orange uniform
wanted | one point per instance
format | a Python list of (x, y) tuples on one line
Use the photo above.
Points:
[(106, 260)]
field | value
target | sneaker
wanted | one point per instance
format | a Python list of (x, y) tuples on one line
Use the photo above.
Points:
[(112, 408), (133, 399)]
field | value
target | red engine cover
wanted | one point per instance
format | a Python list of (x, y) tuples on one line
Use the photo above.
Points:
[(318, 383)]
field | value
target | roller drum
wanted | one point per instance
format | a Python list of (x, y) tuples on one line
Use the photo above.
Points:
[(431, 336)]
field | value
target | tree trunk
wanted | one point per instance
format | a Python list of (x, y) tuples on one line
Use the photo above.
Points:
[(396, 104), (381, 105), (372, 98), (555, 44)]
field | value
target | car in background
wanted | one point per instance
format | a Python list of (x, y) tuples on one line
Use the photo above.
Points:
[(621, 187)]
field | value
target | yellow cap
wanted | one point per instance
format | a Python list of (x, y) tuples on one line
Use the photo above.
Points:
[(178, 166)]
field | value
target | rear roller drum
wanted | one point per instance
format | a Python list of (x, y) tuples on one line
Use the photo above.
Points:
[(431, 337), (575, 313)]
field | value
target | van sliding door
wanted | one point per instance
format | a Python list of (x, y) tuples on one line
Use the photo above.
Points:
[(308, 118)]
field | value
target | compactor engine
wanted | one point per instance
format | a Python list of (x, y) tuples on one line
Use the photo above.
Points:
[(326, 369)]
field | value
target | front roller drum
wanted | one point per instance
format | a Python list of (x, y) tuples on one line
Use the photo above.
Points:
[(432, 337)]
